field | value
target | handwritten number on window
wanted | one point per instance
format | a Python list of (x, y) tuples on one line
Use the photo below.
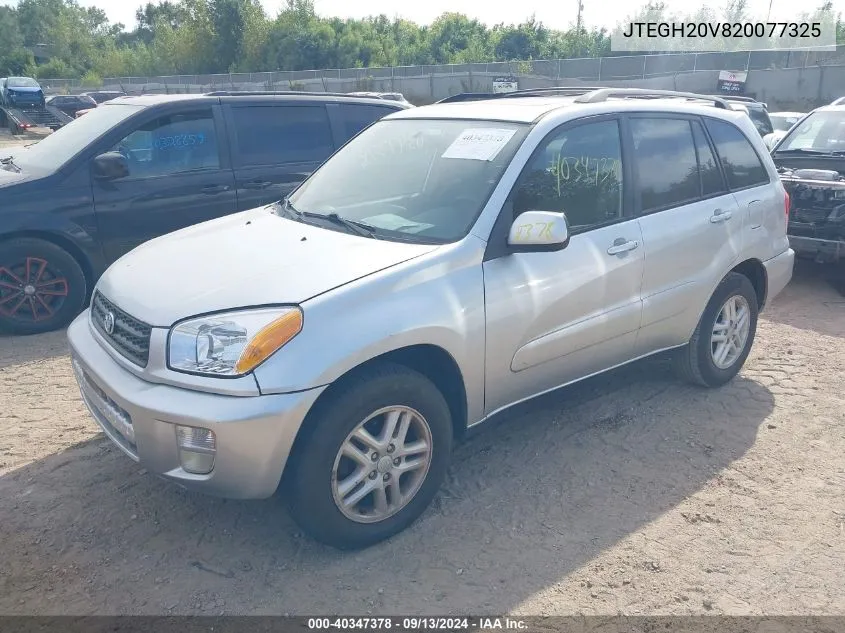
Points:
[(582, 169)]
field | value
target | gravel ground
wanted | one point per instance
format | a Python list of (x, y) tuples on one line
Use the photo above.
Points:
[(628, 493)]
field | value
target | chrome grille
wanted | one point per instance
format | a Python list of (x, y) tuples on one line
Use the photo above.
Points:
[(129, 336)]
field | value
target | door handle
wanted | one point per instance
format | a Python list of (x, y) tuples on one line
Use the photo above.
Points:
[(720, 216), (257, 184), (212, 189), (621, 246)]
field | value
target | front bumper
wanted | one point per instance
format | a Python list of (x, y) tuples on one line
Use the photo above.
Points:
[(824, 250), (254, 434), (778, 273)]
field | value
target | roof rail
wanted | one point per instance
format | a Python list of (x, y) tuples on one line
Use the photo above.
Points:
[(270, 93), (603, 94), (527, 92)]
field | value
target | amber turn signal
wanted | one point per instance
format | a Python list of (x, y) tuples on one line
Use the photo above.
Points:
[(269, 339)]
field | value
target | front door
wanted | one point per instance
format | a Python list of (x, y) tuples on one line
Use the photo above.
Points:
[(554, 317), (177, 177)]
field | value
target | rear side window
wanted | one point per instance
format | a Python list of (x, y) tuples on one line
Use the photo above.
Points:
[(741, 163), (666, 163), (271, 135), (355, 118)]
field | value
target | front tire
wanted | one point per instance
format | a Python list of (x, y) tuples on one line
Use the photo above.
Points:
[(42, 287), (724, 335), (373, 457)]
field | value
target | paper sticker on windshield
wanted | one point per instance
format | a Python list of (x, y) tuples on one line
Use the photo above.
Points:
[(479, 144)]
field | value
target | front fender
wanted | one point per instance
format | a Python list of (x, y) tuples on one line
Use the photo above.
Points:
[(59, 229), (436, 300)]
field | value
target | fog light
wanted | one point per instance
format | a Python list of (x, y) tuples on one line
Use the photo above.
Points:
[(197, 448)]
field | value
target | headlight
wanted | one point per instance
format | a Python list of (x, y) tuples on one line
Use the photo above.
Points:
[(232, 343)]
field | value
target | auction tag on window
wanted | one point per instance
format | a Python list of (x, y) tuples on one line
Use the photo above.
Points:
[(479, 144)]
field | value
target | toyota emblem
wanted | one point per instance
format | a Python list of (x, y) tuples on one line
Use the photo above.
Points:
[(108, 323)]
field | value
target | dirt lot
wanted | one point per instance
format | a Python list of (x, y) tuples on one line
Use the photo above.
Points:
[(627, 493)]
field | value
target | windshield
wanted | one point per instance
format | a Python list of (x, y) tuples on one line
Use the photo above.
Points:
[(21, 82), (821, 131), (414, 179), (782, 122), (59, 147)]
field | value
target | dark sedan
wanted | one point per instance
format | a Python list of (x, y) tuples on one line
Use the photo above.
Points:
[(71, 104)]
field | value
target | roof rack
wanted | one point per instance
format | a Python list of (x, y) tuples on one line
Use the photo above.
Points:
[(603, 94), (527, 92), (270, 93)]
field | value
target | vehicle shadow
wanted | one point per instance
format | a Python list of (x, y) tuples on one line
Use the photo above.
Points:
[(20, 350), (812, 300), (531, 499)]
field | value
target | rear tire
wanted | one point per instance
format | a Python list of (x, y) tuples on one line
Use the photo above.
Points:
[(324, 482), (722, 339), (42, 287)]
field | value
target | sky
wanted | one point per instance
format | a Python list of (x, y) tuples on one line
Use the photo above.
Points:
[(554, 14)]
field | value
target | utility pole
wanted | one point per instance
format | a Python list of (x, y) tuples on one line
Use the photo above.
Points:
[(578, 21), (769, 14)]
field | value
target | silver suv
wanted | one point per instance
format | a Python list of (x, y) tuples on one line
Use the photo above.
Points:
[(447, 263)]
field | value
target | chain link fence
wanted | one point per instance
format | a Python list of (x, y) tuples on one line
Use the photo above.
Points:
[(622, 67)]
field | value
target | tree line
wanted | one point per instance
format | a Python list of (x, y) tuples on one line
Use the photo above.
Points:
[(221, 36)]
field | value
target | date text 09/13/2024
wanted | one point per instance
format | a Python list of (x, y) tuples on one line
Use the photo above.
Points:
[(417, 623)]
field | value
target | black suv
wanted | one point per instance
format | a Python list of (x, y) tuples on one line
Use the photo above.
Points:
[(138, 167)]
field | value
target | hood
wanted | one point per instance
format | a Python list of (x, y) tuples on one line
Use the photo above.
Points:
[(10, 150), (11, 177), (247, 259)]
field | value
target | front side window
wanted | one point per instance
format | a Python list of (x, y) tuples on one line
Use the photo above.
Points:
[(665, 156), (171, 144), (272, 135), (414, 179), (741, 163), (578, 172)]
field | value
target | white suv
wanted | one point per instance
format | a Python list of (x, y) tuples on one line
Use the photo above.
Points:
[(447, 263)]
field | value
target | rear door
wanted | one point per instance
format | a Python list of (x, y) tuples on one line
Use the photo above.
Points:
[(178, 176), (275, 146), (758, 196), (692, 228)]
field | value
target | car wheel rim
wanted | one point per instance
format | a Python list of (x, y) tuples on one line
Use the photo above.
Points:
[(730, 332), (31, 290), (382, 464)]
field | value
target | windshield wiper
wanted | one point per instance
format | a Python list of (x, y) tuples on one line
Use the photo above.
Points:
[(815, 152), (11, 163), (353, 225), (360, 228), (286, 206)]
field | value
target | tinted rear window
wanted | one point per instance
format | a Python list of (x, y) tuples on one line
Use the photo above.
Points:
[(270, 135), (741, 163)]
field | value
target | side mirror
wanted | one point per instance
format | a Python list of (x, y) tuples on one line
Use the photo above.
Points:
[(537, 231), (110, 166)]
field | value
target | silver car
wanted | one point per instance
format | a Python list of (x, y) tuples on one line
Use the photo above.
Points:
[(447, 263)]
